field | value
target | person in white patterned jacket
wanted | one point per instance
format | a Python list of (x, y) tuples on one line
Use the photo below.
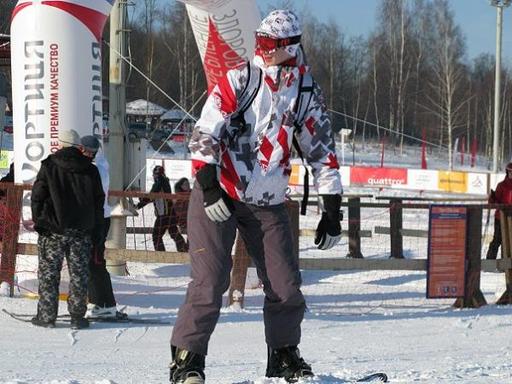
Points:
[(241, 156)]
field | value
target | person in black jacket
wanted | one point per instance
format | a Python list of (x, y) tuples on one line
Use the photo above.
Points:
[(67, 210), (164, 221), (8, 178)]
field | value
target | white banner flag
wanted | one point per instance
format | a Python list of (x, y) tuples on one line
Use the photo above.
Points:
[(224, 33)]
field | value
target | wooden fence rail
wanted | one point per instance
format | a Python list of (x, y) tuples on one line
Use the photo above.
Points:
[(354, 261)]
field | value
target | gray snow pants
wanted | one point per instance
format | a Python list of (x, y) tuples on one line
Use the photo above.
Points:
[(75, 246), (267, 234)]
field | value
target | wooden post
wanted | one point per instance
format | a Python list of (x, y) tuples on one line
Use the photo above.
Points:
[(293, 208), (242, 260), (10, 235), (473, 297), (395, 228), (354, 227), (506, 247)]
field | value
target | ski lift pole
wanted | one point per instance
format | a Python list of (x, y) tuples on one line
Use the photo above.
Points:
[(117, 123)]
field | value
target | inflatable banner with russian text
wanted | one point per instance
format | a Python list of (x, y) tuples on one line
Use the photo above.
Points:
[(56, 75), (224, 33)]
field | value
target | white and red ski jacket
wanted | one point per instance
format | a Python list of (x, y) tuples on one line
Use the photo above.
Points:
[(254, 158)]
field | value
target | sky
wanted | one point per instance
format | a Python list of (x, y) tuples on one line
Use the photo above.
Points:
[(476, 18)]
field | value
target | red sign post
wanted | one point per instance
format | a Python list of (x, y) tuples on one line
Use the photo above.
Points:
[(446, 272)]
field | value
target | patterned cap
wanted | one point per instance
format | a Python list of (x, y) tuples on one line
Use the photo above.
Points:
[(280, 24)]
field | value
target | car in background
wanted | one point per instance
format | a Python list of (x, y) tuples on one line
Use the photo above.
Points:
[(8, 124), (179, 123), (159, 134)]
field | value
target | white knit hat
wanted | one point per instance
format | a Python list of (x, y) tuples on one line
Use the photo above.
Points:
[(69, 138)]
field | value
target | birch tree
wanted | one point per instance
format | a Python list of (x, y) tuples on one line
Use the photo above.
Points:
[(448, 72)]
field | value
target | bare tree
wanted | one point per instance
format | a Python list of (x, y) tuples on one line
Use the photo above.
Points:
[(394, 21), (149, 20), (178, 40), (6, 8), (448, 71)]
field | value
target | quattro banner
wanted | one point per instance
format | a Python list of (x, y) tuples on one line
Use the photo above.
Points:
[(375, 176)]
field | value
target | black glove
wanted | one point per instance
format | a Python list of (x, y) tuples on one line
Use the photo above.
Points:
[(328, 232), (215, 201)]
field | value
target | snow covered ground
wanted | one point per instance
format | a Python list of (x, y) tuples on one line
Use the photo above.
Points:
[(358, 322)]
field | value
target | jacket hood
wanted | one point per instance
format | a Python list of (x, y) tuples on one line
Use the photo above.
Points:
[(70, 159)]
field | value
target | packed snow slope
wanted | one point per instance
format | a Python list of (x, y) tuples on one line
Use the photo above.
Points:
[(357, 323)]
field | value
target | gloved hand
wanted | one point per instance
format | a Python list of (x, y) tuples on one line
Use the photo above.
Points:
[(214, 199), (328, 232)]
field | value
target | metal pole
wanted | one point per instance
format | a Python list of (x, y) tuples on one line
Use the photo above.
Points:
[(117, 125), (497, 89), (3, 101), (342, 147)]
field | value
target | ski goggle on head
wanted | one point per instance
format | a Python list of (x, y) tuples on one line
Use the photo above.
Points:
[(269, 44)]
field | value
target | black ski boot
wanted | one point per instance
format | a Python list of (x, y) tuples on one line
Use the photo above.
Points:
[(186, 367), (287, 363), (37, 321)]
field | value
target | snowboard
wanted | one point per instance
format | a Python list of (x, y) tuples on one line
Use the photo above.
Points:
[(378, 377), (26, 317)]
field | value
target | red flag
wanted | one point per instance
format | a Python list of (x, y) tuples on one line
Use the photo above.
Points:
[(462, 150), (423, 151), (382, 151), (474, 147)]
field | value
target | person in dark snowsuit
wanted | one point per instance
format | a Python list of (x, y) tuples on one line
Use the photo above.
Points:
[(67, 210), (102, 302), (242, 173), (502, 195), (164, 221), (180, 205)]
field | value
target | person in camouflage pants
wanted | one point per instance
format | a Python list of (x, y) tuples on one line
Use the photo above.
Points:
[(67, 209), (74, 245)]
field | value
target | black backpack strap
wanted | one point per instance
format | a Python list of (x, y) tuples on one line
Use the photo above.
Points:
[(304, 96), (306, 88), (247, 96), (305, 197)]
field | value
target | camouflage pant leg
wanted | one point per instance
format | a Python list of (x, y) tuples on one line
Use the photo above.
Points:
[(79, 253), (51, 255)]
